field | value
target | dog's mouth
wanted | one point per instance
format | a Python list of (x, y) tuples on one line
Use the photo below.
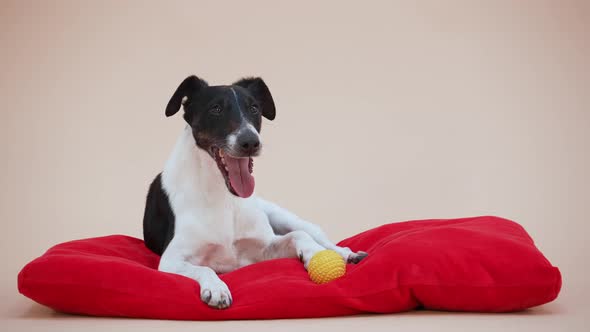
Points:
[(236, 171)]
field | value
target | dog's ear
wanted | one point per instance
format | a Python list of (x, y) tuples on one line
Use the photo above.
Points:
[(186, 89), (260, 91)]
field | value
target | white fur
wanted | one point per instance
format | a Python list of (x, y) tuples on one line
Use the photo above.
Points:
[(217, 232)]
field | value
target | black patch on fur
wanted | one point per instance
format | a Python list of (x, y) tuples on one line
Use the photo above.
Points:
[(258, 89), (158, 218), (188, 87)]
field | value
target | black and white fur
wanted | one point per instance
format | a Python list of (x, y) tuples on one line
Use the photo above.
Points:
[(193, 217)]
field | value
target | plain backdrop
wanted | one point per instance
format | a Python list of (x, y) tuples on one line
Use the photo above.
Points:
[(386, 111)]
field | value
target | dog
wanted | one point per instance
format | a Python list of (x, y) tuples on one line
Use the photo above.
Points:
[(201, 213)]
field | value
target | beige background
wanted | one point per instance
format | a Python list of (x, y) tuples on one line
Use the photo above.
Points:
[(387, 111)]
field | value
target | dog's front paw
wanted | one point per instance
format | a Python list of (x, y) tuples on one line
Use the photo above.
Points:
[(349, 256), (216, 294), (356, 257)]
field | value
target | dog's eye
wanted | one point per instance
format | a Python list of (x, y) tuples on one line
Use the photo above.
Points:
[(215, 110), (254, 109)]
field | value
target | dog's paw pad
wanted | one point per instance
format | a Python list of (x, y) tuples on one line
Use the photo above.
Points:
[(206, 296), (224, 303), (355, 258), (219, 298)]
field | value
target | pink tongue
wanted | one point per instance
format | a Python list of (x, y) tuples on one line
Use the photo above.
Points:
[(239, 175)]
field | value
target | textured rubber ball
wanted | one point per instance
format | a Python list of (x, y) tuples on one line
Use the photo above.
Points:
[(325, 266)]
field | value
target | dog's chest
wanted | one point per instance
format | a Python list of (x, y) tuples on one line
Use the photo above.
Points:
[(235, 238)]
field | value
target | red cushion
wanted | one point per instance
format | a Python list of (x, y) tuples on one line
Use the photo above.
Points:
[(484, 264)]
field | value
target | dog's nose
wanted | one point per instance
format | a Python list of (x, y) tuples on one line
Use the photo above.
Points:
[(249, 143)]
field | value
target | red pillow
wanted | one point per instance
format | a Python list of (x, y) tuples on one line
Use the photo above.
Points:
[(484, 264)]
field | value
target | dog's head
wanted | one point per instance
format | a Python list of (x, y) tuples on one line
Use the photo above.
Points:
[(226, 122)]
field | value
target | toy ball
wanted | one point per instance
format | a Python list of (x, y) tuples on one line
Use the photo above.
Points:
[(325, 266)]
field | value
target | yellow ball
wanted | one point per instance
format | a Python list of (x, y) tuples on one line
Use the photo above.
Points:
[(326, 266)]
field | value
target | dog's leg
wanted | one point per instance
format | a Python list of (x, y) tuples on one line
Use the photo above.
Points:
[(296, 244), (214, 291), (283, 222)]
